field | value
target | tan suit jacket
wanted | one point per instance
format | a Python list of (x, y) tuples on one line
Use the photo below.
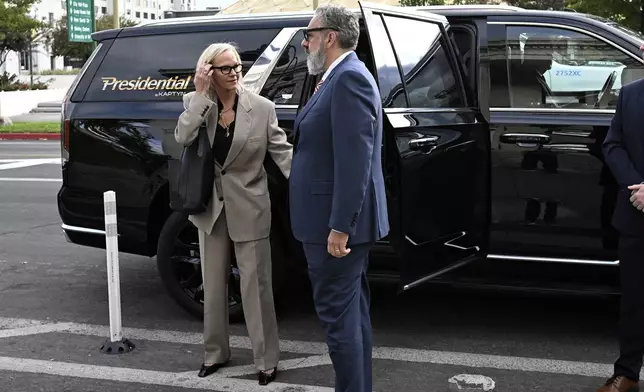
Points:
[(241, 186)]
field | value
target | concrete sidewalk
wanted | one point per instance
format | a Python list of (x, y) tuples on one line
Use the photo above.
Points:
[(35, 117)]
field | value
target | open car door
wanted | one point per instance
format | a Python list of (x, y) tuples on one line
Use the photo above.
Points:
[(436, 143)]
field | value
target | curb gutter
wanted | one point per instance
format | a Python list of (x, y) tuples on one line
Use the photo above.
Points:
[(29, 136)]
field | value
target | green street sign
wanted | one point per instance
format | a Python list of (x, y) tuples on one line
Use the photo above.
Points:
[(80, 20)]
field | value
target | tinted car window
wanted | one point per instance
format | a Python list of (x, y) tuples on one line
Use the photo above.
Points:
[(557, 68), (285, 83), (161, 67), (430, 79), (390, 84)]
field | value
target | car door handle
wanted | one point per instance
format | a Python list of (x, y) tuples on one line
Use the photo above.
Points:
[(527, 138), (581, 148), (423, 143)]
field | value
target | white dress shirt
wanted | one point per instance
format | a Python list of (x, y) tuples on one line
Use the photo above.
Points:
[(335, 64)]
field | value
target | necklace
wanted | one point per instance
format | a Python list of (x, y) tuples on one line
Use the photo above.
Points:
[(221, 119)]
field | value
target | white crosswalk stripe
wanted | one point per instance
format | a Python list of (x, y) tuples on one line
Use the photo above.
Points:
[(6, 164), (317, 351)]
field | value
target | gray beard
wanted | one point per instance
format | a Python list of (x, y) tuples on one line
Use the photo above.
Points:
[(315, 62)]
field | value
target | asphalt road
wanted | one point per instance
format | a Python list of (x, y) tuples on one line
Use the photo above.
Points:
[(54, 318)]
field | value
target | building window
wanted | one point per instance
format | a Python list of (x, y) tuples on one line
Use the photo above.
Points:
[(51, 18), (104, 10), (145, 15), (153, 16), (138, 14)]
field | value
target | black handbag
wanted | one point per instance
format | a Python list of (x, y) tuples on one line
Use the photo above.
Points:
[(192, 176)]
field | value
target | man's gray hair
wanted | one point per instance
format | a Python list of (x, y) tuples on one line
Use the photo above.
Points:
[(345, 21)]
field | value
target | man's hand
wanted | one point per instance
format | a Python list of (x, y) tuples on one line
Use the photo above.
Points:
[(337, 244), (637, 196)]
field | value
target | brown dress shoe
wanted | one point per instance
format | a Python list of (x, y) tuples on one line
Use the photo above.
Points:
[(620, 384)]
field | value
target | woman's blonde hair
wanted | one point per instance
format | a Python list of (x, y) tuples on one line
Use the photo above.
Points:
[(215, 50)]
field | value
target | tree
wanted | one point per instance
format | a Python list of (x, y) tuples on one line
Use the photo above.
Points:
[(61, 46), (626, 12), (538, 4), (17, 29)]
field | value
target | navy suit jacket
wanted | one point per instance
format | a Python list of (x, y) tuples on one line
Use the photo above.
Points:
[(624, 152), (336, 179)]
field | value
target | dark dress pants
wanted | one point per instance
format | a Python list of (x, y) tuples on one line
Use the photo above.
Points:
[(631, 324), (342, 299)]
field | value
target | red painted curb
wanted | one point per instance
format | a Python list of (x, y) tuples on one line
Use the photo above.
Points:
[(29, 136)]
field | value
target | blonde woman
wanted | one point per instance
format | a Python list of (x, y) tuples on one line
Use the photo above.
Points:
[(242, 127)]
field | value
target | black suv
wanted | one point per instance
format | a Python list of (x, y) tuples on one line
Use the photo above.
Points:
[(495, 118)]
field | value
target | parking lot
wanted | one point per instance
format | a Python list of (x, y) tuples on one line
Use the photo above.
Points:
[(54, 318)]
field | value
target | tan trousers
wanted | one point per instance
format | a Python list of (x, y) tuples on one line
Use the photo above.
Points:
[(254, 262)]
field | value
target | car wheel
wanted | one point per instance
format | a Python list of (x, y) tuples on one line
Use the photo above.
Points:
[(179, 265)]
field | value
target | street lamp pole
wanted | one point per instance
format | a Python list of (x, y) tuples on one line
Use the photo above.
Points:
[(116, 14)]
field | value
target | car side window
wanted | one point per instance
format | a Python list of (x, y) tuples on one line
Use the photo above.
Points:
[(392, 91), (285, 83), (549, 67), (429, 77), (166, 63)]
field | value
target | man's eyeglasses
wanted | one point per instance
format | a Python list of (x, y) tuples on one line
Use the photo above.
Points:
[(308, 31), (225, 69)]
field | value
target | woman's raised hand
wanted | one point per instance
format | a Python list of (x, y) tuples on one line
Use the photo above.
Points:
[(203, 78)]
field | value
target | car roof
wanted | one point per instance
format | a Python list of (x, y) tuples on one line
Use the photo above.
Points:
[(308, 14), (301, 18)]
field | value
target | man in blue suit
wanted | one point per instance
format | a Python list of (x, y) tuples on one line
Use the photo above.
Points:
[(624, 152), (337, 193)]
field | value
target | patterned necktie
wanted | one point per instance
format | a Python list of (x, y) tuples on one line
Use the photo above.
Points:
[(317, 87)]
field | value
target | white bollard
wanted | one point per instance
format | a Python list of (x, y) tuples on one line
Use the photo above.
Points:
[(116, 343)]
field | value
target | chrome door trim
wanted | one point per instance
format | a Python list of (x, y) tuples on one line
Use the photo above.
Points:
[(259, 72), (427, 110), (463, 234), (84, 230), (553, 110), (613, 263), (403, 12), (438, 273)]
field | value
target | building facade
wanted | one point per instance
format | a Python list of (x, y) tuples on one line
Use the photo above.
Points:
[(140, 11)]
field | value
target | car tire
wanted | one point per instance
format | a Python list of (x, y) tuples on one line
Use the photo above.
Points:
[(176, 268)]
